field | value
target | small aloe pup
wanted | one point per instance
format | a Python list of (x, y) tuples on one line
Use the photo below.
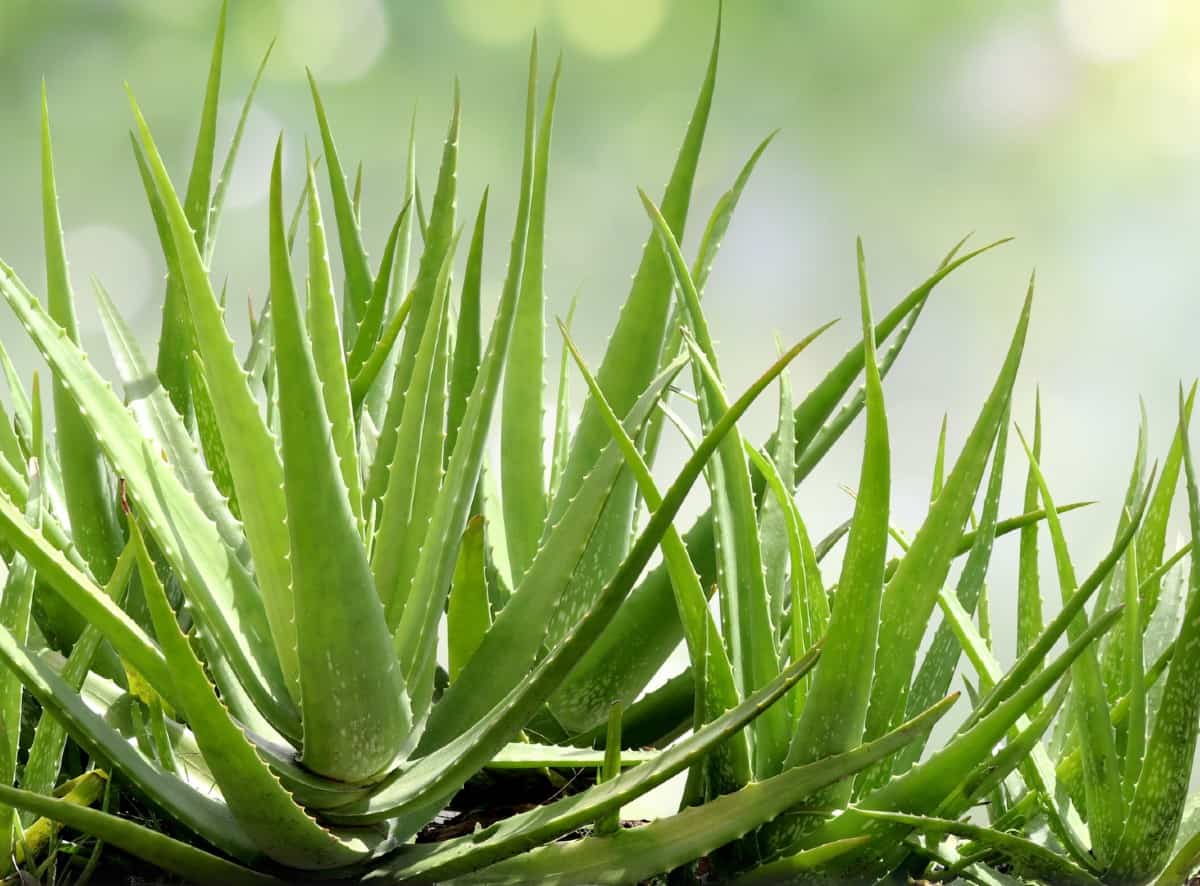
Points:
[(264, 547)]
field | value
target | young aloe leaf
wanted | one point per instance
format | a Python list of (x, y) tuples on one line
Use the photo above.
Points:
[(87, 487), (208, 429), (523, 474), (560, 447), (835, 712), (253, 459), (1147, 842), (630, 361), (382, 355), (468, 615), (467, 337), (353, 702), (626, 658), (941, 660), (217, 206), (415, 473), (1102, 771), (543, 596), (417, 633), (442, 227), (354, 256), (280, 828), (1029, 596), (774, 514), (728, 768), (922, 788), (911, 593), (373, 320), (377, 396), (1135, 742), (745, 608), (1028, 859), (639, 853), (526, 830), (329, 360)]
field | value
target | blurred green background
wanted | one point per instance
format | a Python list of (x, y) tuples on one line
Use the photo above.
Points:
[(1070, 124)]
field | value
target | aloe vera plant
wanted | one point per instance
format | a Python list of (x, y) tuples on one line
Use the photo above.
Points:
[(226, 588)]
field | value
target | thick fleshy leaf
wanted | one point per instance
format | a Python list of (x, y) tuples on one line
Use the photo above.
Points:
[(523, 474), (630, 361), (468, 335), (468, 615), (253, 458), (835, 712), (87, 486), (280, 828), (1154, 815), (353, 705)]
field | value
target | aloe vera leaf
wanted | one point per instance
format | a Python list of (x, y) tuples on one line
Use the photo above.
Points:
[(217, 206), (415, 472), (376, 364), (158, 420), (745, 608), (381, 294), (329, 360), (526, 830), (87, 487), (526, 755), (44, 762), (175, 856), (1028, 859), (523, 473), (417, 633), (442, 227), (201, 813), (1135, 732), (280, 828), (560, 448), (354, 256), (927, 784), (727, 768), (773, 519), (1182, 865), (433, 778), (467, 337), (941, 660), (253, 459), (629, 363), (353, 701), (626, 658), (1152, 540), (377, 396), (425, 292), (911, 593), (1154, 815), (78, 590), (1102, 771), (468, 616), (639, 853), (15, 608), (511, 646), (808, 615), (208, 430), (835, 714), (1029, 597)]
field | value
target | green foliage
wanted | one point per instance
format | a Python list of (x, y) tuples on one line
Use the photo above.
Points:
[(251, 619)]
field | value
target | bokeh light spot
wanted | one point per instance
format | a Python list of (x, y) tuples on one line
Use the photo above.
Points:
[(338, 41), (496, 22), (611, 28), (1112, 30)]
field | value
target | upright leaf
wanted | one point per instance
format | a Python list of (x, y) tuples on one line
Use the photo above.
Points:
[(353, 703)]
